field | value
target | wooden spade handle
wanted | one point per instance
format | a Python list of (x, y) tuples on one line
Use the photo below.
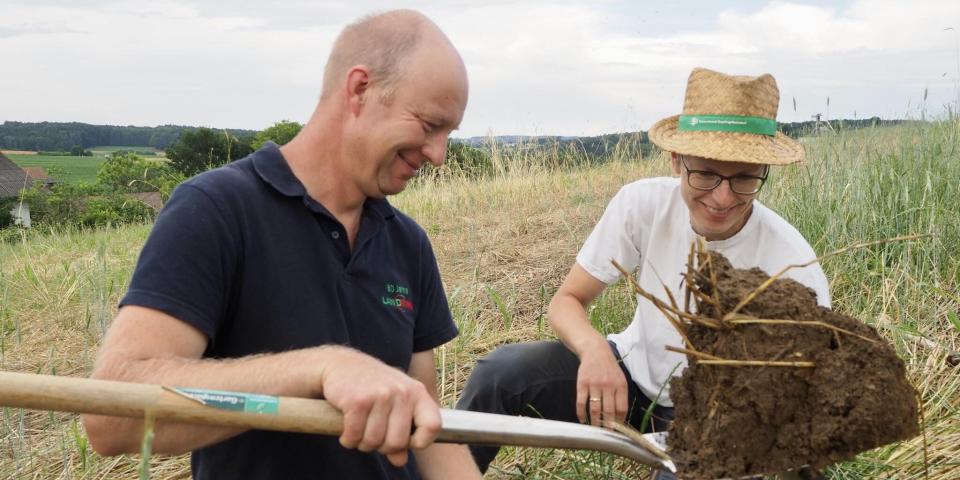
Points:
[(291, 414), (121, 399)]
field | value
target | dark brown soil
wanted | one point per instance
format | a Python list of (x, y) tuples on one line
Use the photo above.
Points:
[(737, 421)]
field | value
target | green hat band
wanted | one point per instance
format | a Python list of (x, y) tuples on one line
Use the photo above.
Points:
[(727, 123)]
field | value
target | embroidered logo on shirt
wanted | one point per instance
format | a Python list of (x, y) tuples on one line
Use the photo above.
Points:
[(397, 297)]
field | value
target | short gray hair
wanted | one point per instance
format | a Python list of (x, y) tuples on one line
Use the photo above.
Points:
[(379, 41)]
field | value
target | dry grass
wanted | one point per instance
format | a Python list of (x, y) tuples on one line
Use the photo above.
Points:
[(504, 244)]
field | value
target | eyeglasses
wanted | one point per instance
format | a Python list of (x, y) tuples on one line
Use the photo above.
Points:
[(741, 184)]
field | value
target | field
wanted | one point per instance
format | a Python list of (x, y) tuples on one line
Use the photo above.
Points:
[(80, 169), (58, 289), (75, 169)]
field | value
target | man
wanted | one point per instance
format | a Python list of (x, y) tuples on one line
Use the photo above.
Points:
[(721, 148), (288, 273)]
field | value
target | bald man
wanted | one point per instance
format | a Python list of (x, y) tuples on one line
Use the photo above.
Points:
[(288, 273)]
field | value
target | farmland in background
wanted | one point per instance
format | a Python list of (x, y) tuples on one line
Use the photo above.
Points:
[(80, 169), (504, 243), (75, 169)]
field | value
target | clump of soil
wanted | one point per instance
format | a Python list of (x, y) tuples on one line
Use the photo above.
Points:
[(733, 421)]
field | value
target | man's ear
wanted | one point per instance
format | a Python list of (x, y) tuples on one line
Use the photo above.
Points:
[(358, 86), (675, 161)]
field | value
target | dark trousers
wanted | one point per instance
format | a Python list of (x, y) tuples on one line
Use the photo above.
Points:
[(539, 379)]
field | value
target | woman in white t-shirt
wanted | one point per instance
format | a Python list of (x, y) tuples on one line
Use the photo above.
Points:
[(721, 150)]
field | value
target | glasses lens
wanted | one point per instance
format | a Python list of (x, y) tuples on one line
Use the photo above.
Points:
[(746, 185), (703, 180)]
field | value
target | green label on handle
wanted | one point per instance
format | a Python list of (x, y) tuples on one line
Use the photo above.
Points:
[(728, 123), (240, 402)]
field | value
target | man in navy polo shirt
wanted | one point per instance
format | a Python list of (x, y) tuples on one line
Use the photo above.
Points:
[(288, 273)]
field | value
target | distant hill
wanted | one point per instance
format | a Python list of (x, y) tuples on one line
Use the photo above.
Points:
[(56, 136), (599, 146), (800, 129), (604, 145)]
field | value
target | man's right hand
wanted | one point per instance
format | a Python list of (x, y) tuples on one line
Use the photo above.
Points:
[(379, 404), (601, 386)]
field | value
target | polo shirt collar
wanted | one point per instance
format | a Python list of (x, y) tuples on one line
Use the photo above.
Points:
[(272, 167), (381, 206)]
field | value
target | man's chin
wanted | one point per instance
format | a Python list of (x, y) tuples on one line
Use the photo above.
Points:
[(386, 190), (714, 231)]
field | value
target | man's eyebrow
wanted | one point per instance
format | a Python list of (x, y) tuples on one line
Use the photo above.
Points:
[(446, 121), (432, 118)]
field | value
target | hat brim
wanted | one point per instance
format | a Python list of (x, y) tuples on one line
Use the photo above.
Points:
[(726, 146)]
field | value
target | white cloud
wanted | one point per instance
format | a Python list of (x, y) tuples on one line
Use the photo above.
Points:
[(567, 67), (879, 25), (152, 63), (156, 9)]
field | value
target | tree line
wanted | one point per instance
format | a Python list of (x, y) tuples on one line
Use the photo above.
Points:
[(812, 127), (62, 137), (572, 150), (74, 136)]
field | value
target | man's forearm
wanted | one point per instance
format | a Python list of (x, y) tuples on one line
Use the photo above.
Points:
[(569, 320), (169, 438), (292, 373), (444, 460), (439, 461)]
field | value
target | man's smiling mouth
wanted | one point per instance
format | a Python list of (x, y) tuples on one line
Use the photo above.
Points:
[(719, 211)]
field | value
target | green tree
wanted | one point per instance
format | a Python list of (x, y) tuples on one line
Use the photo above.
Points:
[(280, 133), (6, 205), (84, 205), (464, 159), (62, 204), (242, 145), (128, 172), (203, 149), (112, 209)]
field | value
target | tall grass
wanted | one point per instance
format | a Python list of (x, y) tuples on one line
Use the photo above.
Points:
[(880, 183), (504, 243)]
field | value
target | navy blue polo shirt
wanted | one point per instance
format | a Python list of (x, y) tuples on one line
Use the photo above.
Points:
[(243, 254)]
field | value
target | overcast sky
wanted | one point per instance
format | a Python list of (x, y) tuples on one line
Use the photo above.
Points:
[(536, 67)]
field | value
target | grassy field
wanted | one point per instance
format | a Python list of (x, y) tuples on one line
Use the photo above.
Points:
[(75, 169), (58, 289), (79, 169)]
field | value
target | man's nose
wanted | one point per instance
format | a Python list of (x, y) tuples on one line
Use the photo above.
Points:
[(435, 149), (723, 194)]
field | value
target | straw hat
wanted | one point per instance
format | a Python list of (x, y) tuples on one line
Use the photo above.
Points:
[(729, 118)]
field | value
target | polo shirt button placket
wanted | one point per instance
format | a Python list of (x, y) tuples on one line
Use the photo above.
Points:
[(335, 235)]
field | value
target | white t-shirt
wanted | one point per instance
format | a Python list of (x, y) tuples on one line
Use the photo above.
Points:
[(647, 225)]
